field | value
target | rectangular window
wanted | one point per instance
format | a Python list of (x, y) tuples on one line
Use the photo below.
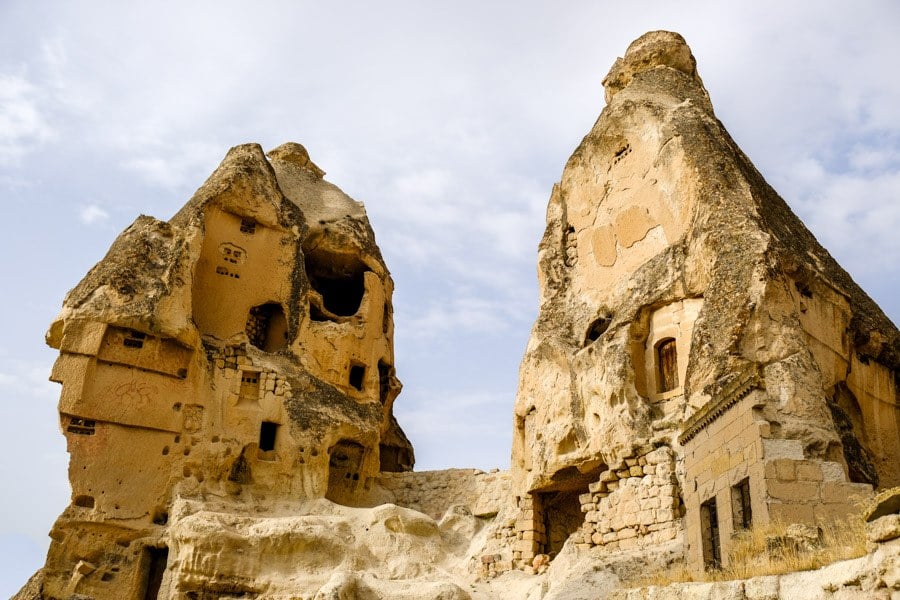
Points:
[(709, 529), (249, 392), (81, 426), (741, 512), (267, 432), (357, 376), (667, 365), (134, 339)]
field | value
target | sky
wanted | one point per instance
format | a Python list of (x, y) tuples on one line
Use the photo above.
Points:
[(451, 121)]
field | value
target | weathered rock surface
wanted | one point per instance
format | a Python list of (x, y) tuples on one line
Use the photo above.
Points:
[(240, 351), (684, 307), (700, 365)]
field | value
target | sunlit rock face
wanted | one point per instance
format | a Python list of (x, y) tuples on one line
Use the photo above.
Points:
[(699, 365), (241, 352), (674, 282)]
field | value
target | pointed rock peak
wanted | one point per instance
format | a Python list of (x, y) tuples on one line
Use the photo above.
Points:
[(652, 50), (295, 153)]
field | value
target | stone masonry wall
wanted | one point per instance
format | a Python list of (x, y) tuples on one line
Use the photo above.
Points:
[(635, 506)]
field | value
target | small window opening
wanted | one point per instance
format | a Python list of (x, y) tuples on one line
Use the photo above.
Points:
[(741, 511), (803, 289), (160, 517), (622, 153), (81, 426), (267, 433), (667, 365), (134, 339), (357, 376), (249, 392), (232, 254), (267, 327), (597, 328), (248, 226), (571, 247), (384, 381), (709, 528), (84, 501), (338, 278), (385, 318)]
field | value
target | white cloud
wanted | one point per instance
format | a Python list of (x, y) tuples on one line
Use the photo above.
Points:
[(92, 214), (23, 126), (26, 378)]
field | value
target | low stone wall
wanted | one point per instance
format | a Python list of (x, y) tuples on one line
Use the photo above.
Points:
[(634, 506), (875, 576), (433, 492)]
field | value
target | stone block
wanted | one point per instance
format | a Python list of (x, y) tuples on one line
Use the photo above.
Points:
[(526, 547), (636, 471), (628, 543), (845, 492), (832, 471), (597, 487), (585, 499), (791, 513), (794, 491), (783, 469), (608, 476), (665, 514), (779, 448)]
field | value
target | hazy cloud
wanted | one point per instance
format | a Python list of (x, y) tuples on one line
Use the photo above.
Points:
[(23, 126), (92, 213)]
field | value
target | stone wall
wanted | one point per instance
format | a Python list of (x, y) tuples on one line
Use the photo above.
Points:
[(633, 507), (733, 445), (433, 492)]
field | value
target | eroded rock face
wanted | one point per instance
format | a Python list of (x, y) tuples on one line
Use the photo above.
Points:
[(700, 365), (241, 351), (678, 287)]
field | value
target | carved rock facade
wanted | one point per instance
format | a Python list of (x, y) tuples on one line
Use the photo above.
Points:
[(699, 365), (689, 316), (240, 353)]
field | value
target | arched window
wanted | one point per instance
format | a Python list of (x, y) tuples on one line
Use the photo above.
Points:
[(666, 365)]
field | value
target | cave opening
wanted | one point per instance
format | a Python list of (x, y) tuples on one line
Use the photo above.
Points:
[(339, 279), (267, 327)]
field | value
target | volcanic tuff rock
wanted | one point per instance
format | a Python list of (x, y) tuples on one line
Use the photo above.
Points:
[(240, 351), (700, 365), (685, 310)]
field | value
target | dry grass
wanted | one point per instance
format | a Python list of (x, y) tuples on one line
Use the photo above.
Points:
[(767, 550)]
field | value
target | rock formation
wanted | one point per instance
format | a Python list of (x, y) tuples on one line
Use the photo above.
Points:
[(239, 353), (699, 365), (699, 360)]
